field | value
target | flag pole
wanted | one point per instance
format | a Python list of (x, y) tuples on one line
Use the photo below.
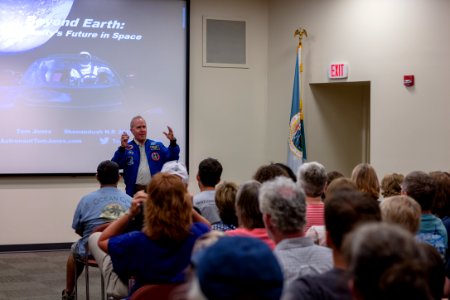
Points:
[(297, 145), (300, 32)]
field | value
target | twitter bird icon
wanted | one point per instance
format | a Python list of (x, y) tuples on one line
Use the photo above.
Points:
[(104, 140)]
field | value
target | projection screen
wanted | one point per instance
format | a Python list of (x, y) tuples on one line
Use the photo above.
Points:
[(74, 72)]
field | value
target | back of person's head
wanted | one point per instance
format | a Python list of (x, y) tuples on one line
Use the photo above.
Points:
[(288, 170), (209, 172), (441, 203), (391, 185), (225, 198), (420, 186), (332, 175), (312, 177), (239, 268), (168, 209), (435, 269), (269, 172), (205, 241), (247, 205), (346, 209), (385, 262), (401, 210), (108, 173), (366, 180), (342, 183), (284, 201), (176, 168)]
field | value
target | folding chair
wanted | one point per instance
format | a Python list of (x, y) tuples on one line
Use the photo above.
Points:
[(89, 261)]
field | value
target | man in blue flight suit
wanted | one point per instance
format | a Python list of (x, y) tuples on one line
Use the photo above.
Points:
[(141, 158)]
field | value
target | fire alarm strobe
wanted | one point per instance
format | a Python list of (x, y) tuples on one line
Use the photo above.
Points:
[(408, 80)]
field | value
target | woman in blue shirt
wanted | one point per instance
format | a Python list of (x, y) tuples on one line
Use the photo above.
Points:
[(161, 251)]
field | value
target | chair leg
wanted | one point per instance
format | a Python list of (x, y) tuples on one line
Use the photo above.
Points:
[(76, 280), (86, 272), (103, 286)]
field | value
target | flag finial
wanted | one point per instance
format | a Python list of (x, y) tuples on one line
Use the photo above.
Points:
[(300, 32)]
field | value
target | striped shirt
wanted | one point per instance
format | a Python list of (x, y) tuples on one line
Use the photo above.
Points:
[(314, 215)]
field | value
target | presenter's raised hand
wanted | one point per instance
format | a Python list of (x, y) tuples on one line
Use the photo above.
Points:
[(169, 134), (124, 139)]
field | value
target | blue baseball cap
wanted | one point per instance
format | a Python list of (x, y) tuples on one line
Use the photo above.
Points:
[(238, 268)]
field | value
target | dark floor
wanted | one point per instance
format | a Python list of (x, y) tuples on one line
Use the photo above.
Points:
[(40, 276)]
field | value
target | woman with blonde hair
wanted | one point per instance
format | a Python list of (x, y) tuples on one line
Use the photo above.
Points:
[(403, 211), (226, 204), (161, 251), (366, 180)]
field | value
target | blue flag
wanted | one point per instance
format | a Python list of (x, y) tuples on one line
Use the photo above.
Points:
[(297, 143)]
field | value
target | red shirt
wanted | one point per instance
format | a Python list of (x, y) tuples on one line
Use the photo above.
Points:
[(314, 215)]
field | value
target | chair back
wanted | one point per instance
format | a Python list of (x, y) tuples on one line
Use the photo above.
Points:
[(154, 291)]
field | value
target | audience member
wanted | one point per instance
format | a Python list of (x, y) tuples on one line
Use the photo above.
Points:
[(95, 209), (312, 177), (441, 202), (226, 204), (391, 185), (181, 292), (420, 186), (283, 205), (344, 211), (331, 175), (172, 167), (288, 170), (401, 210), (269, 172), (142, 158), (250, 218), (338, 184), (238, 268), (435, 271), (175, 167), (208, 176), (386, 263), (161, 251), (366, 180)]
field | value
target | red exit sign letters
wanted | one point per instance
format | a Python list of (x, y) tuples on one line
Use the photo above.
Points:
[(338, 71)]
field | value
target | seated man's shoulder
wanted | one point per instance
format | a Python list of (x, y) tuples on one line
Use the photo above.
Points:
[(329, 285), (322, 250), (305, 287), (204, 197)]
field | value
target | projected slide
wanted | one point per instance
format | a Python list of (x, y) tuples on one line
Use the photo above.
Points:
[(74, 72)]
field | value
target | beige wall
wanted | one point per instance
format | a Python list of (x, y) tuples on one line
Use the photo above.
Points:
[(381, 40), (228, 115), (240, 115)]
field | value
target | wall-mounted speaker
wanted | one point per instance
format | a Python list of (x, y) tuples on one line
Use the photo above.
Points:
[(224, 43)]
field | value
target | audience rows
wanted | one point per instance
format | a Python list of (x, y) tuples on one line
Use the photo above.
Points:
[(284, 234)]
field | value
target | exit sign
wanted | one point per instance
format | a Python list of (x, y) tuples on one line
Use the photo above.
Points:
[(337, 71)]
